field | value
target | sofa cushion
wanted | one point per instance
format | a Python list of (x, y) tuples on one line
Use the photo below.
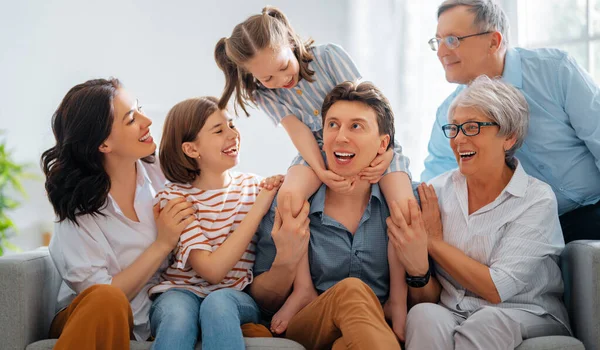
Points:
[(551, 343)]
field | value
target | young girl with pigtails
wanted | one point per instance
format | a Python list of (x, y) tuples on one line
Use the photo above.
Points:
[(266, 64)]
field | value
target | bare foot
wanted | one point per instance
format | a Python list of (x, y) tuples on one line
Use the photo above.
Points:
[(397, 313), (294, 303)]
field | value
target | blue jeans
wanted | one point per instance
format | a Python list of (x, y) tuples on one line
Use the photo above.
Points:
[(177, 315)]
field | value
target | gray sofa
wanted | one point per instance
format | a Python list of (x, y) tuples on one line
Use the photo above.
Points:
[(29, 285)]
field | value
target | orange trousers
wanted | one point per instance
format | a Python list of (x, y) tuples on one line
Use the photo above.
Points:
[(347, 316), (99, 318)]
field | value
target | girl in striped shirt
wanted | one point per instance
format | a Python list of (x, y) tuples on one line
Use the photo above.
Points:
[(212, 263), (266, 64)]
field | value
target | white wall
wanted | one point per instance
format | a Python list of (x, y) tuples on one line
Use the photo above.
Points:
[(163, 53)]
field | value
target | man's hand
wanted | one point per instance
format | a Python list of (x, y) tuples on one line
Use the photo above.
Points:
[(290, 234), (409, 241), (378, 166)]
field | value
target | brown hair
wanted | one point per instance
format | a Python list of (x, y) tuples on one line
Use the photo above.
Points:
[(183, 123), (368, 94), (271, 29)]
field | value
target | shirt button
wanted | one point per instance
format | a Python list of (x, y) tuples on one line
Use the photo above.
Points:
[(356, 252), (562, 189), (541, 166), (299, 92), (316, 112)]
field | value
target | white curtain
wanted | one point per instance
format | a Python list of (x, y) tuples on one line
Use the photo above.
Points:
[(388, 41)]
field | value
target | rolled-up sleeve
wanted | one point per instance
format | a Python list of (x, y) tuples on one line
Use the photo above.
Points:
[(529, 241), (79, 258)]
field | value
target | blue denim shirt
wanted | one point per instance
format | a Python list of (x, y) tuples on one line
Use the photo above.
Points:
[(562, 146), (334, 253)]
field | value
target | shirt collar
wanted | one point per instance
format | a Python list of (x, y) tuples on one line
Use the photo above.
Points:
[(512, 68), (142, 179), (142, 174), (517, 186), (317, 202)]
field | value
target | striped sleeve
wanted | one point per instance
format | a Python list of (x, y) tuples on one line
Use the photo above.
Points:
[(339, 64), (527, 242), (270, 103), (192, 236)]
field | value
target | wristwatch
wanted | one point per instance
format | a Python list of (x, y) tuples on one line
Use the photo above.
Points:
[(418, 281)]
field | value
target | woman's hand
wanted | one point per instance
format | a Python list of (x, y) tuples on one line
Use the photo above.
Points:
[(172, 220), (378, 166), (431, 213), (409, 241), (272, 182)]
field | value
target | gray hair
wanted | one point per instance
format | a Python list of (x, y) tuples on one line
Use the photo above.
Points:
[(502, 103), (489, 16)]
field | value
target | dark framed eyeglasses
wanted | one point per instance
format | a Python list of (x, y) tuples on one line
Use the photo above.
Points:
[(451, 41), (468, 128)]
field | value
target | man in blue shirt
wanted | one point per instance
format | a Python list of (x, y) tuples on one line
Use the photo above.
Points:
[(562, 147), (348, 234)]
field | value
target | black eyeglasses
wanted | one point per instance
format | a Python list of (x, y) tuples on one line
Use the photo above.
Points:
[(451, 41), (468, 128)]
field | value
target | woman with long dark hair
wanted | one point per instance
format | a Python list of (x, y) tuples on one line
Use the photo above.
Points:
[(109, 240)]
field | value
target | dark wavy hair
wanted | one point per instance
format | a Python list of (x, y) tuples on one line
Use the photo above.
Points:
[(76, 182)]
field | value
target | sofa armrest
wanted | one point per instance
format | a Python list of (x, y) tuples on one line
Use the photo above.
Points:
[(29, 285), (580, 262)]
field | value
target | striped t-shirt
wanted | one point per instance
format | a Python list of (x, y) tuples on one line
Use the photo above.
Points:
[(218, 213)]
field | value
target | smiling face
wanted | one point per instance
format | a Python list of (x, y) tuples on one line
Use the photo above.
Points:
[(351, 138), (130, 134), (480, 153), (275, 68), (472, 57), (217, 145)]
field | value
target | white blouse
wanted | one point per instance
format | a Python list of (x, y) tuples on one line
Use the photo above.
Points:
[(102, 246), (518, 236)]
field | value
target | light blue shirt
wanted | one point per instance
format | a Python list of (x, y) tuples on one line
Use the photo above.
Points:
[(562, 147)]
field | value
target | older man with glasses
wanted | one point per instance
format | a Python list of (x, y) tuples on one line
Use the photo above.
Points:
[(562, 147)]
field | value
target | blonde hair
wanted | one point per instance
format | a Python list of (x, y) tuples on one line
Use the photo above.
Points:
[(182, 124), (271, 29)]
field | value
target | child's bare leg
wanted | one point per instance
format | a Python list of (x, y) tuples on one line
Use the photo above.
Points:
[(396, 186), (304, 292), (395, 307), (300, 183)]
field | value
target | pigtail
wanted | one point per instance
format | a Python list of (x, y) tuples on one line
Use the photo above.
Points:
[(230, 70)]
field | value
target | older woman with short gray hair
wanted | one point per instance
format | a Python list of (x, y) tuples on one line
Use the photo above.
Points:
[(493, 232)]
